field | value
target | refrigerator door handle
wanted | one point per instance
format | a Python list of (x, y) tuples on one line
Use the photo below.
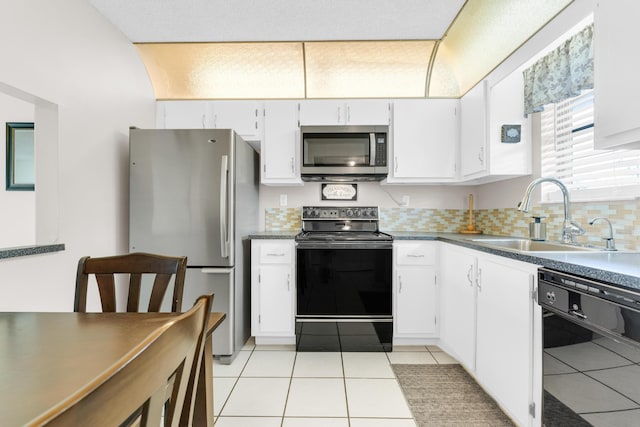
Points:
[(213, 270), (224, 188)]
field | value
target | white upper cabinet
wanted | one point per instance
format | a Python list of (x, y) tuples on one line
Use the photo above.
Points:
[(484, 156), (181, 114), (506, 107), (616, 83), (279, 158), (368, 112), (344, 112), (473, 131), (425, 140), (245, 117)]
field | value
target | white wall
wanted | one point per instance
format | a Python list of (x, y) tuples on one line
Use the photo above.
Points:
[(17, 208), (88, 85)]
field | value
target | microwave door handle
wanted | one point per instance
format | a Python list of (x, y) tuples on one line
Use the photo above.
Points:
[(372, 149)]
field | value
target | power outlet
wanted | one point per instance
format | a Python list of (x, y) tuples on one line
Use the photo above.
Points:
[(283, 200), (405, 201)]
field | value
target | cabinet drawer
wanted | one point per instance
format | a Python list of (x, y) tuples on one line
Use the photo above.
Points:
[(273, 253), (415, 254)]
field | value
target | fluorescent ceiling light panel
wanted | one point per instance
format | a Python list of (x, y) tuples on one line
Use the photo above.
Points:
[(367, 69), (224, 70), (483, 35)]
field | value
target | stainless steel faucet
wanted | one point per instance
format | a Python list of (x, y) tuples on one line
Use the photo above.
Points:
[(570, 229), (610, 243)]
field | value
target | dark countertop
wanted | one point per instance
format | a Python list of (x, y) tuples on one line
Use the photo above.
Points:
[(30, 250), (285, 234), (618, 268)]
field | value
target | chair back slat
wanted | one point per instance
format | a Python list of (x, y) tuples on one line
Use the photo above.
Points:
[(160, 285), (107, 289), (105, 269), (133, 298)]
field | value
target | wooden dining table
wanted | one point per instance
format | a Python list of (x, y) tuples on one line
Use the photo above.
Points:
[(46, 357)]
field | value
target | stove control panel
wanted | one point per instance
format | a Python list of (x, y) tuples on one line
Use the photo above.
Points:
[(342, 213)]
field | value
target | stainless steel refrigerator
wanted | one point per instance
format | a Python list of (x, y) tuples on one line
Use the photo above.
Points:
[(195, 193)]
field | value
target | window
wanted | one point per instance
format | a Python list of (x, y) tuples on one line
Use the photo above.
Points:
[(20, 157), (568, 154)]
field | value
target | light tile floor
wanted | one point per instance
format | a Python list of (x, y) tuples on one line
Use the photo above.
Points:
[(274, 386)]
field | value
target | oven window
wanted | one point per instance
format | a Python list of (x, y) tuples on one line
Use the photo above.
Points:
[(339, 149), (338, 282)]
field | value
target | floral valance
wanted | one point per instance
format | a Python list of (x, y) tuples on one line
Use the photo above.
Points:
[(561, 74)]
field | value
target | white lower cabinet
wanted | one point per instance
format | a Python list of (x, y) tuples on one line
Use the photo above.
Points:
[(272, 291), (504, 323), (415, 294), (458, 303), (487, 313)]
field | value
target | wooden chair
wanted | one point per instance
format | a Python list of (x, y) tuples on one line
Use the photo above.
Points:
[(134, 390), (136, 265)]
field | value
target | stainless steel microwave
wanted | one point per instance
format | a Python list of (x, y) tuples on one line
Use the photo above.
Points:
[(344, 153)]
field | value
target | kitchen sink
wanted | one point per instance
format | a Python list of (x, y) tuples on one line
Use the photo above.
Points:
[(525, 245)]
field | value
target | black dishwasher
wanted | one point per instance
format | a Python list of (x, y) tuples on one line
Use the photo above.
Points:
[(591, 352)]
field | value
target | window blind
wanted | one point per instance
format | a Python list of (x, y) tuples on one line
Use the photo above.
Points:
[(567, 153)]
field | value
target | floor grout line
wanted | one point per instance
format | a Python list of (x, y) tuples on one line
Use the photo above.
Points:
[(291, 376)]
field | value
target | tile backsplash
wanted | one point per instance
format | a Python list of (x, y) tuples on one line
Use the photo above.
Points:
[(504, 221)]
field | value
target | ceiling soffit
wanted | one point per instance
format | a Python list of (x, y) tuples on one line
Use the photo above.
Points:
[(483, 35)]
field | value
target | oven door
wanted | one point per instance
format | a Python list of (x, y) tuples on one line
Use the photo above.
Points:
[(347, 280), (344, 300)]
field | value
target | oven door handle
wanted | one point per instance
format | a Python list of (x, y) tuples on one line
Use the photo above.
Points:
[(578, 314), (344, 245)]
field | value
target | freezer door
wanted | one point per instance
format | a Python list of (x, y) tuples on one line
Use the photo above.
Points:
[(181, 194), (220, 282), (200, 281)]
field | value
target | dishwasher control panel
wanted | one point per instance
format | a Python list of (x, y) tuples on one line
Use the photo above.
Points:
[(553, 296)]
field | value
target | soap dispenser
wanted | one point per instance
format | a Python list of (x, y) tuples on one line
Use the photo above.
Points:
[(537, 229)]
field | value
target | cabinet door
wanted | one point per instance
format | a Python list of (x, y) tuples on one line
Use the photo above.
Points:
[(275, 316), (616, 83), (458, 304), (415, 305), (339, 112), (272, 288), (279, 148), (322, 112), (473, 131), (367, 112), (181, 114), (425, 139), (242, 116), (504, 335)]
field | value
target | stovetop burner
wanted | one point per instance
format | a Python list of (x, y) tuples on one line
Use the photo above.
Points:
[(327, 224)]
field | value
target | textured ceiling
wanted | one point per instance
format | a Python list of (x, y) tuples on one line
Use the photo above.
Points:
[(279, 20)]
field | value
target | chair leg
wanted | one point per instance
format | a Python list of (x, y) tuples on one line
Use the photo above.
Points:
[(203, 410)]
